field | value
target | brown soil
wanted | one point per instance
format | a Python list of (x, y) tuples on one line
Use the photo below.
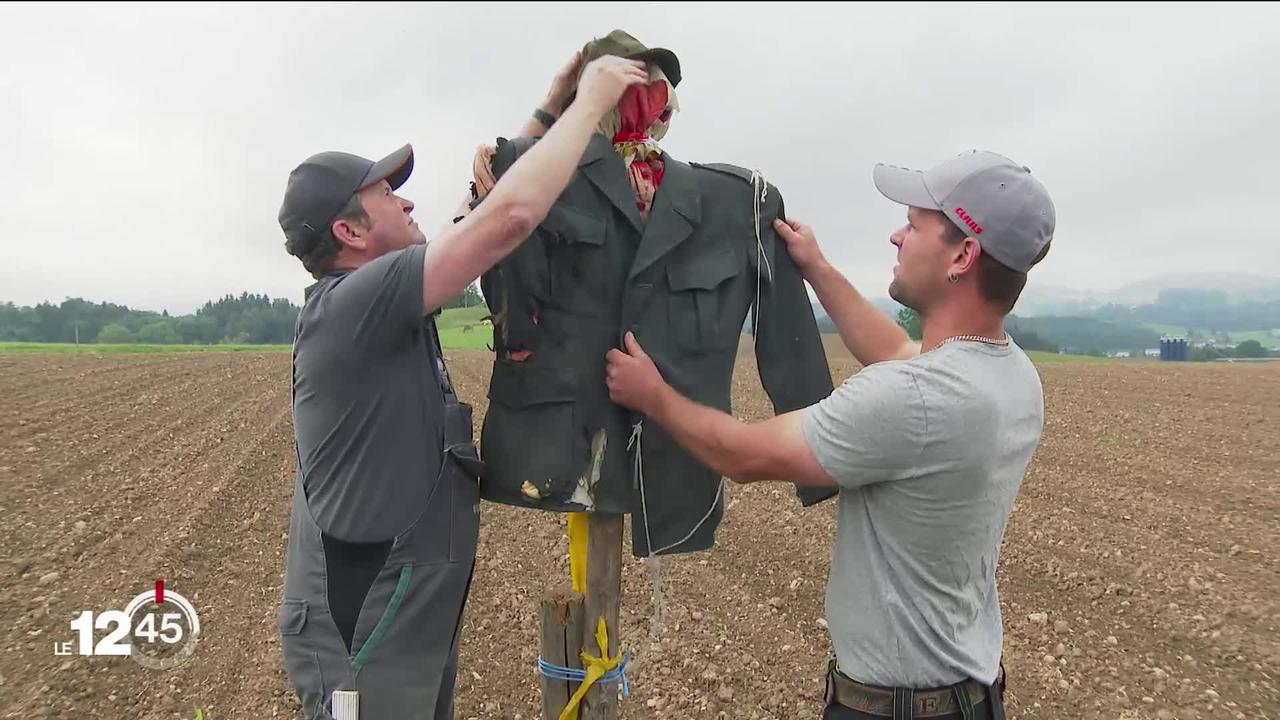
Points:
[(1139, 575)]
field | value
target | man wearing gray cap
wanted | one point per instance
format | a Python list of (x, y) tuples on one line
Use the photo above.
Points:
[(385, 517), (928, 443)]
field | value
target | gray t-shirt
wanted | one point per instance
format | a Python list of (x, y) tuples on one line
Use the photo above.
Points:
[(368, 405), (929, 454)]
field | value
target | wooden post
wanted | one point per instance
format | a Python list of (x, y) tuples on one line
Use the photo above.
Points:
[(561, 639), (603, 598)]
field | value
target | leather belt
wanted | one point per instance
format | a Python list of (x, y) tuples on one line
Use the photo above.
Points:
[(925, 704)]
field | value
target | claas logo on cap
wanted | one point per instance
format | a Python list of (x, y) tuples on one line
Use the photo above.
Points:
[(968, 220)]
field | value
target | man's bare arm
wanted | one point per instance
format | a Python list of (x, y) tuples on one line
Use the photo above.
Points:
[(771, 450), (868, 334), (518, 202)]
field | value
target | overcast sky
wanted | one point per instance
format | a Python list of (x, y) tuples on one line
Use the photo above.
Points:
[(145, 148)]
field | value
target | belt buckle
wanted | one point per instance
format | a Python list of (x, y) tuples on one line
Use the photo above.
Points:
[(928, 702)]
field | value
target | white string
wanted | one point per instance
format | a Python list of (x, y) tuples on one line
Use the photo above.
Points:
[(652, 559), (710, 511), (654, 564), (655, 567), (636, 431), (759, 193)]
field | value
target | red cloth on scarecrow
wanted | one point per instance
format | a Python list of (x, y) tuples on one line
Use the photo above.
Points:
[(640, 107)]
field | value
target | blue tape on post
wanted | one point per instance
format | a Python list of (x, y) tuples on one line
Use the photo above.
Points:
[(568, 674)]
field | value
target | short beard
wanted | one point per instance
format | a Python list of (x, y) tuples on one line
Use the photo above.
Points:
[(900, 296)]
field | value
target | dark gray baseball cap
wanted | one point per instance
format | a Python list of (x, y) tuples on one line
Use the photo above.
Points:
[(990, 197), (320, 187)]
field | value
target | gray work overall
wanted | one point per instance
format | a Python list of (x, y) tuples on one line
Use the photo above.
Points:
[(404, 653)]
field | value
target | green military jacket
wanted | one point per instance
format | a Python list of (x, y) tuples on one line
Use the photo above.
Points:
[(684, 283)]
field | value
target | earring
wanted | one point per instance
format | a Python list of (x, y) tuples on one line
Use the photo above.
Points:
[(953, 277)]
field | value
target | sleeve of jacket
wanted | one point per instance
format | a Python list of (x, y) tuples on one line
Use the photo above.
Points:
[(512, 287), (789, 353)]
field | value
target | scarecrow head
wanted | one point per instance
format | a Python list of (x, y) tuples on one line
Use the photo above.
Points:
[(645, 111)]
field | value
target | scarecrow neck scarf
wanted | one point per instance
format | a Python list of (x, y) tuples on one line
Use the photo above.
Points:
[(636, 125)]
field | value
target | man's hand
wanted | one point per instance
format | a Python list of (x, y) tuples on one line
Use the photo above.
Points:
[(802, 244), (562, 86), (605, 80), (633, 379), (482, 169)]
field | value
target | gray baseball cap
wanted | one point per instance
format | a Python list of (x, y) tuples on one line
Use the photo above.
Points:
[(322, 185), (992, 198)]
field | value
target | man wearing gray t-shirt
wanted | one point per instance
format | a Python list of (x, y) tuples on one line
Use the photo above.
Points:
[(385, 515), (928, 443)]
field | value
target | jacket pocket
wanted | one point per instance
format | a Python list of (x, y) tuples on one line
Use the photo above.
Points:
[(570, 225), (573, 244), (694, 306), (301, 662), (292, 617), (528, 443)]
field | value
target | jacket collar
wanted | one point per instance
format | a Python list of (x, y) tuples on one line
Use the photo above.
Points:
[(677, 207), (606, 171), (677, 210)]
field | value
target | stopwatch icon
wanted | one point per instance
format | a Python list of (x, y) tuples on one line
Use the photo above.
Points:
[(164, 628)]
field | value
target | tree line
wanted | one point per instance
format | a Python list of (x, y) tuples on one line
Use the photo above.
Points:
[(245, 319)]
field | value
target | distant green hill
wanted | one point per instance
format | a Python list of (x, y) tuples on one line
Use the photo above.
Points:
[(1082, 335)]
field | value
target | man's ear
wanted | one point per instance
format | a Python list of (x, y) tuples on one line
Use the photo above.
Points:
[(348, 233), (967, 253)]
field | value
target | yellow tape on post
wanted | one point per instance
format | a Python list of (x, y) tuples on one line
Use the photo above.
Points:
[(594, 667), (578, 550)]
